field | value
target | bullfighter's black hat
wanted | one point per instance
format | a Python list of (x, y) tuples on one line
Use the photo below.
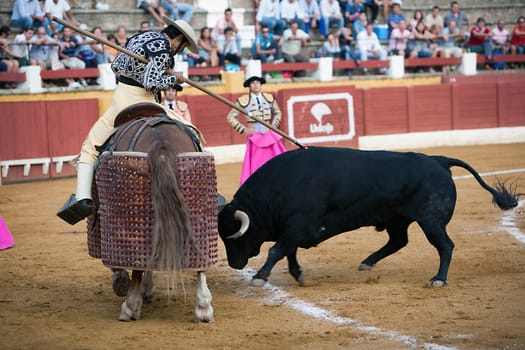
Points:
[(252, 78)]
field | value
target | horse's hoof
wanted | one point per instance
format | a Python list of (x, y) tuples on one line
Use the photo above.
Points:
[(257, 282), (126, 314), (436, 283), (204, 314), (121, 282), (149, 296), (365, 267)]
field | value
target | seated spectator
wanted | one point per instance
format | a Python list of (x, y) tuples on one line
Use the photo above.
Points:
[(331, 13), (420, 42), (434, 18), (346, 43), (359, 24), (154, 8), (352, 9), (59, 9), (331, 47), (207, 48), (20, 47), (448, 41), (112, 53), (369, 47), (84, 50), (456, 15), (121, 36), (312, 17), (294, 39), (8, 59), (399, 40), (517, 39), (42, 51), (266, 46), (28, 13), (291, 12), (501, 38), (395, 17), (387, 5), (144, 26), (269, 14), (224, 22), (69, 50), (480, 40), (175, 9), (416, 18), (102, 54), (373, 5), (227, 48)]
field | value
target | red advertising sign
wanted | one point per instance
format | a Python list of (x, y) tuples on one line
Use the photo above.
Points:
[(321, 118)]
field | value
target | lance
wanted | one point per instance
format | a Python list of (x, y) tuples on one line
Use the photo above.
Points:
[(189, 81)]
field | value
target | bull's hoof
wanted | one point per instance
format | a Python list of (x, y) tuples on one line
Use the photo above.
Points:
[(257, 282), (126, 314), (300, 279), (365, 267), (436, 283), (121, 282)]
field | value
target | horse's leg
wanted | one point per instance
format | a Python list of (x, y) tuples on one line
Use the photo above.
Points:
[(121, 282), (131, 307), (148, 288), (203, 307)]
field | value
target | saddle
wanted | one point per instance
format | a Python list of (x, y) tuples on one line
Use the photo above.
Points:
[(139, 111)]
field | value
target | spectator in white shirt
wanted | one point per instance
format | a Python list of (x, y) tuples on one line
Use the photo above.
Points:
[(59, 9), (501, 37), (434, 18), (370, 47), (269, 15), (291, 12), (331, 13)]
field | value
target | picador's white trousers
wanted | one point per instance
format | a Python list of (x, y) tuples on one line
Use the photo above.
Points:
[(124, 96)]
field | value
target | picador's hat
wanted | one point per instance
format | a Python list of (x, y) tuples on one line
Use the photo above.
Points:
[(176, 87), (186, 30), (252, 78)]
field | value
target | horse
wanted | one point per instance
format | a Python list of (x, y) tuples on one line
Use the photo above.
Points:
[(142, 220)]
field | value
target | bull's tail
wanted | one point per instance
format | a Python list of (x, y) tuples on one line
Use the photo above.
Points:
[(505, 197), (172, 224)]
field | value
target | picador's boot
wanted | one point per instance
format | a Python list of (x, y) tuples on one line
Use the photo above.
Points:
[(75, 210)]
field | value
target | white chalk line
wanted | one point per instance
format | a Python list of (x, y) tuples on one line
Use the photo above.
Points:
[(307, 308)]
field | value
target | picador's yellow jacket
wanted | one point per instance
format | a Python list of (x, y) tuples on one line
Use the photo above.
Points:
[(263, 106)]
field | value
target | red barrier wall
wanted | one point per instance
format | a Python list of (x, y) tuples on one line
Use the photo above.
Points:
[(43, 129), (328, 115)]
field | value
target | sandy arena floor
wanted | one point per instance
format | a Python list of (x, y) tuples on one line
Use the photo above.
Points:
[(54, 296)]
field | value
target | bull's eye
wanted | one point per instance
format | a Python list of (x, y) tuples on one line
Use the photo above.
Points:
[(322, 229)]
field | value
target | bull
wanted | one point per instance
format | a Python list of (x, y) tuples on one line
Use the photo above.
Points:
[(303, 197)]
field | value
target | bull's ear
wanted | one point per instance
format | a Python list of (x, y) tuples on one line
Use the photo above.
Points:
[(245, 223)]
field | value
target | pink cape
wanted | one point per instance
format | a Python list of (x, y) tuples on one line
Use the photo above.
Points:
[(6, 239), (260, 148)]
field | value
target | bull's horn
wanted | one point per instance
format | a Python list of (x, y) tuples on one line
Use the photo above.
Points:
[(245, 223)]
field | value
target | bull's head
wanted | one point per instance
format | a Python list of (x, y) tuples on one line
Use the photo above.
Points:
[(234, 227)]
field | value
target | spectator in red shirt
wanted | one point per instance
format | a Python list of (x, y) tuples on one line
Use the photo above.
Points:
[(480, 40), (517, 40)]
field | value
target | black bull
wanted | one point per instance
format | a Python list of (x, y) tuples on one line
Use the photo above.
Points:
[(303, 197)]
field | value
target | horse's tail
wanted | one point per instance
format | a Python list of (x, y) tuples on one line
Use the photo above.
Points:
[(172, 224), (505, 197)]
